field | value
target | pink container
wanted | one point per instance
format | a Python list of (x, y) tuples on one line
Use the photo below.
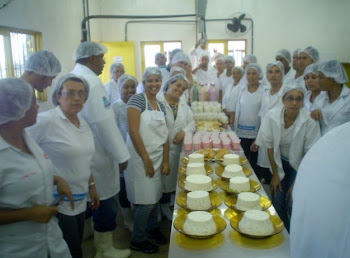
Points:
[(206, 144), (188, 146), (227, 145), (197, 145), (236, 144)]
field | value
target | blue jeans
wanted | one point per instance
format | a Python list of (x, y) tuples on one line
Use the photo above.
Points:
[(146, 218), (281, 201), (104, 217)]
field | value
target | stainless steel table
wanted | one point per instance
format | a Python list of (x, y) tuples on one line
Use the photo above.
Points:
[(229, 243)]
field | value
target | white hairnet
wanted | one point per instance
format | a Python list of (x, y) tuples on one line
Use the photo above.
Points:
[(255, 67), (113, 67), (62, 80), (151, 70), (238, 68), (334, 69), (312, 68), (217, 55), (88, 48), (15, 99), (124, 78), (312, 52), (296, 52), (276, 63), (175, 51), (293, 86), (180, 56), (44, 63), (230, 59), (173, 79), (222, 58), (176, 69), (285, 54), (250, 59)]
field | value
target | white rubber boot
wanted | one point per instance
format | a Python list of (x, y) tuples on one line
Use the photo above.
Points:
[(104, 246), (165, 210), (128, 217), (88, 229)]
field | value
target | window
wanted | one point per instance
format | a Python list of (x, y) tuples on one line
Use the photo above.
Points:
[(235, 48), (150, 49)]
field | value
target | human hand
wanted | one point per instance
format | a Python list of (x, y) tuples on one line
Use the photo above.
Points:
[(254, 147), (41, 214), (148, 164), (164, 168), (123, 166), (95, 199), (179, 137), (316, 115), (63, 189), (274, 184)]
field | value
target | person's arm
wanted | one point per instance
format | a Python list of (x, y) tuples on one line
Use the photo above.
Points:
[(40, 213), (63, 189), (165, 169), (196, 69), (220, 96), (95, 199), (275, 181), (134, 116), (316, 115)]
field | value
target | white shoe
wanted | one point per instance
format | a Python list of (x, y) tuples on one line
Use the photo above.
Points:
[(88, 229), (165, 210), (104, 246), (128, 217)]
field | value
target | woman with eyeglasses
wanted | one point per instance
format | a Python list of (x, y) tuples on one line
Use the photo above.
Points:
[(116, 70), (287, 132), (67, 140)]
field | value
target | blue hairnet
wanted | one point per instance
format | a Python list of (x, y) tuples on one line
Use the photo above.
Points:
[(312, 68), (16, 97), (113, 67), (276, 63), (250, 59), (334, 69), (230, 59), (285, 54), (44, 63), (173, 79), (87, 49), (62, 80), (312, 52), (293, 86), (125, 77), (151, 70), (180, 56), (255, 67), (176, 69)]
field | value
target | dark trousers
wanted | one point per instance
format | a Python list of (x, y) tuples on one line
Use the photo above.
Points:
[(72, 229), (251, 155), (282, 201), (123, 200)]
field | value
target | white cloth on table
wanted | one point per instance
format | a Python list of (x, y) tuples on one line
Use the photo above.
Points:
[(71, 150), (320, 223), (109, 144), (26, 181)]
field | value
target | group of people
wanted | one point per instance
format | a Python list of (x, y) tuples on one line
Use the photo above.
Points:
[(104, 146)]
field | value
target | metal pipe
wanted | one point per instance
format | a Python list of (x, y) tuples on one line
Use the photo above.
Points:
[(83, 24)]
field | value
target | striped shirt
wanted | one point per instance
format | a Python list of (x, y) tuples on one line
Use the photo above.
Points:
[(138, 102)]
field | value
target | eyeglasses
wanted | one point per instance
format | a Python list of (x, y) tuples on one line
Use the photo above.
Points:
[(291, 99), (71, 94)]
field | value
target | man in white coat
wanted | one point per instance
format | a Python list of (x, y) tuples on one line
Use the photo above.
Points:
[(320, 223), (110, 147)]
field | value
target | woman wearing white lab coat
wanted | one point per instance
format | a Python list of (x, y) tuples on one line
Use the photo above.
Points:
[(148, 145), (314, 94), (271, 99), (60, 132), (179, 118), (287, 132), (116, 70), (334, 107), (28, 227)]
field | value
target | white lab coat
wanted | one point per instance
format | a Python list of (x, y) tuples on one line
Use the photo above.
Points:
[(62, 142), (225, 82), (317, 101), (165, 78), (230, 95), (290, 75), (306, 133), (26, 181), (196, 53), (141, 189), (336, 113), (320, 223), (119, 108), (267, 104), (184, 122), (112, 91), (109, 144)]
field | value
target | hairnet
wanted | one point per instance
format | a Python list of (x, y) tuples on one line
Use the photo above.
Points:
[(114, 66), (124, 78), (250, 59), (276, 63), (62, 80), (222, 58), (255, 67), (44, 63), (334, 69), (151, 70), (238, 68), (217, 55), (296, 52), (158, 55), (173, 79), (88, 48), (15, 99), (293, 86), (312, 52), (175, 51), (176, 69), (312, 68), (285, 54), (230, 59), (180, 56)]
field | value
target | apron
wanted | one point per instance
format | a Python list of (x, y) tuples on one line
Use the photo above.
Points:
[(154, 133)]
